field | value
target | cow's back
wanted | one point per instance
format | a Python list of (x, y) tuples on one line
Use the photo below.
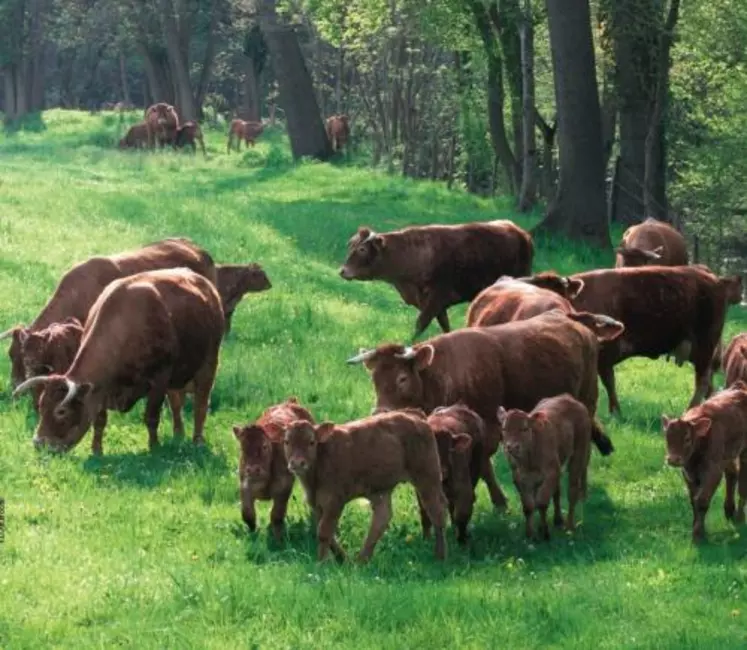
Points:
[(167, 254)]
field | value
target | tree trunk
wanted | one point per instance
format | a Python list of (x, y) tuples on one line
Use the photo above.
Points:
[(578, 210), (549, 180), (123, 79), (305, 127), (157, 73), (528, 193), (9, 82), (185, 103), (252, 103), (209, 58)]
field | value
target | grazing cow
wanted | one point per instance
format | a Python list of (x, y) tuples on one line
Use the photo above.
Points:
[(460, 437), (244, 130), (710, 441), (435, 267), (146, 334), (366, 458), (735, 359), (664, 309), (163, 123), (539, 445), (81, 286), (513, 365), (651, 242), (186, 134), (338, 131), (136, 137), (263, 468), (235, 281), (511, 299)]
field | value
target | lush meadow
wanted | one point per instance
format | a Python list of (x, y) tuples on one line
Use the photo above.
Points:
[(147, 550)]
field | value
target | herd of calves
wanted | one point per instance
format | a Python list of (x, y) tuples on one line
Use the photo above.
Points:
[(149, 324), (161, 126)]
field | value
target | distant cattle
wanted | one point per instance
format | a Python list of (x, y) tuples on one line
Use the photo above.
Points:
[(664, 309), (235, 281), (366, 458), (162, 121), (513, 365), (338, 131), (246, 131), (136, 137), (651, 242), (734, 360), (710, 441), (263, 468), (146, 334), (186, 134), (435, 267)]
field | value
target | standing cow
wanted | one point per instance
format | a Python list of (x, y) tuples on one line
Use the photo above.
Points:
[(435, 267), (186, 134), (162, 122), (246, 131), (651, 242), (338, 131), (136, 137)]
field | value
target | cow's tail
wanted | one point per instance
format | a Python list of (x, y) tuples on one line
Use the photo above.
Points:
[(526, 255), (600, 439)]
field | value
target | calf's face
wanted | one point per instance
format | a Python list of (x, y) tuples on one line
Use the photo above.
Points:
[(682, 437), (255, 462), (300, 444), (518, 433), (365, 249)]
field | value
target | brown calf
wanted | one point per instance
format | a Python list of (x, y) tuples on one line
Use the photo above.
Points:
[(246, 131), (263, 468), (366, 458), (235, 281), (539, 445), (136, 137), (186, 134), (338, 131), (162, 123), (651, 242), (734, 359), (435, 267), (710, 441)]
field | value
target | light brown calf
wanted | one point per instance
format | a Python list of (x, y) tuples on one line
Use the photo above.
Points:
[(136, 137), (734, 359), (246, 131)]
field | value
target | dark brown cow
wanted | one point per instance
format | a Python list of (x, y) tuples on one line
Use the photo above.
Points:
[(366, 458), (710, 441), (435, 267), (513, 365), (555, 435), (246, 131), (81, 286), (145, 335), (263, 468), (651, 242), (338, 131), (511, 299), (734, 360), (235, 281), (162, 122), (186, 134), (663, 308), (136, 137)]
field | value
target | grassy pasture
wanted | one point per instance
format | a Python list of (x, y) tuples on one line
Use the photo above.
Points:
[(147, 550)]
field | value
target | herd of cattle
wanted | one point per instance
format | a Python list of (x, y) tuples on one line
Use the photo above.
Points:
[(524, 372), (161, 126)]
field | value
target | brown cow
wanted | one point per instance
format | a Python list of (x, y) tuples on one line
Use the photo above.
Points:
[(366, 458), (513, 365), (708, 441), (511, 299), (83, 283), (460, 437), (735, 359), (162, 122), (244, 130), (435, 267), (663, 308), (338, 131), (235, 281), (263, 468), (539, 445), (651, 242), (136, 137), (145, 335), (186, 134)]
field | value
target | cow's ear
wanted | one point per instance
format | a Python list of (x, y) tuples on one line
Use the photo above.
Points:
[(424, 356), (701, 427), (364, 232), (502, 415), (379, 243), (665, 422), (84, 391), (538, 420), (739, 384), (238, 432), (574, 287), (324, 431), (461, 442)]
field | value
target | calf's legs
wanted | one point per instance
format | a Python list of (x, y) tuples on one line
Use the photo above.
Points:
[(277, 515), (730, 474), (328, 516), (702, 500), (176, 404), (382, 515), (740, 514)]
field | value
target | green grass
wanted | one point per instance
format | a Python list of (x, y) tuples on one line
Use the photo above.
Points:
[(147, 550)]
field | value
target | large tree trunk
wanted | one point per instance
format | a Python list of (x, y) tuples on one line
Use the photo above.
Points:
[(209, 58), (305, 128), (578, 210), (123, 79), (528, 193), (9, 82), (252, 102), (185, 103), (157, 72)]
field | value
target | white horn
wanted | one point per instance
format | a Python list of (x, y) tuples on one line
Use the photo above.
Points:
[(606, 320), (363, 355), (370, 237), (409, 353), (72, 388), (7, 334), (29, 383)]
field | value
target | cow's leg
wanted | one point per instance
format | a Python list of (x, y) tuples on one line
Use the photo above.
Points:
[(443, 321), (326, 530), (380, 518), (432, 307), (248, 513), (277, 515), (730, 474), (739, 516), (227, 326), (203, 385), (99, 424), (425, 520), (703, 372), (702, 500), (176, 400), (228, 145), (550, 487), (607, 375), (527, 506), (557, 519), (682, 352), (153, 407), (434, 502), (497, 497)]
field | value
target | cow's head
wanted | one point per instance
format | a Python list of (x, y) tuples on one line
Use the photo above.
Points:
[(732, 285), (638, 256), (365, 250), (566, 287), (236, 280), (17, 336), (454, 445), (604, 327), (396, 372), (64, 411), (301, 442), (518, 428), (682, 437), (51, 349), (255, 461)]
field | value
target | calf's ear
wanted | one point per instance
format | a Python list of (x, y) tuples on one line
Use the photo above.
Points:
[(424, 356), (324, 431), (461, 442), (237, 431), (273, 430), (701, 427), (538, 419)]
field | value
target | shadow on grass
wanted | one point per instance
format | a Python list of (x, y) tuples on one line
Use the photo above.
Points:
[(32, 123)]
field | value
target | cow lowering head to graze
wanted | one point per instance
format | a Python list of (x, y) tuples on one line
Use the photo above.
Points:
[(83, 283), (243, 130), (651, 242), (162, 122), (186, 134), (366, 458), (435, 267), (263, 468), (710, 441), (146, 334), (235, 281), (663, 308), (511, 299), (513, 365), (338, 131), (460, 437), (734, 360), (555, 435), (136, 137)]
